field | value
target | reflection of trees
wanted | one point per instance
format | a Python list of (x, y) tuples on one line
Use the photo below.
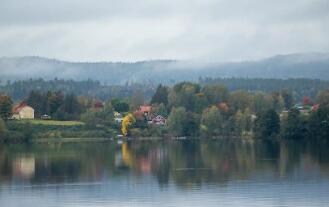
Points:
[(317, 153), (225, 160), (186, 163), (56, 163), (290, 157)]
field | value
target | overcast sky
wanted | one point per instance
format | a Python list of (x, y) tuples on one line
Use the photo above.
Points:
[(122, 30)]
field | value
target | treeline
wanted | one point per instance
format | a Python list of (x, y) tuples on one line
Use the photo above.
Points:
[(299, 87), (19, 90), (212, 110), (56, 104), (192, 110)]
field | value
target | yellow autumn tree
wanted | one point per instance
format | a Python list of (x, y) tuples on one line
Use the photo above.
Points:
[(127, 121)]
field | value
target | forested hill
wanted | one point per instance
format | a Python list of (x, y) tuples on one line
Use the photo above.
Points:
[(308, 65), (299, 88)]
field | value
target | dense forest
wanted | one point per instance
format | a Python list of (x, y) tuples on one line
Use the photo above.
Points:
[(299, 87), (18, 90)]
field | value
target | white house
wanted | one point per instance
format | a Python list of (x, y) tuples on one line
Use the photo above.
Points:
[(23, 111)]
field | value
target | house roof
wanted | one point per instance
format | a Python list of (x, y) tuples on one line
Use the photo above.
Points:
[(98, 104), (159, 117), (315, 107), (145, 108), (19, 107)]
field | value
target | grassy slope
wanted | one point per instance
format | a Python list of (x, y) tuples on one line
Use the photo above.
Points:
[(53, 122), (68, 131)]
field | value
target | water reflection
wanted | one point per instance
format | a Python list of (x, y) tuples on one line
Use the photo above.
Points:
[(187, 164)]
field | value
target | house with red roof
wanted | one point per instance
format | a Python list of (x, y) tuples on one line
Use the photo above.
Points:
[(98, 106), (23, 111), (145, 109)]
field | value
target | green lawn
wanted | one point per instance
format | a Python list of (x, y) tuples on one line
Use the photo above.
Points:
[(54, 122)]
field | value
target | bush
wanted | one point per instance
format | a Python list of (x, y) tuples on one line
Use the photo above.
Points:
[(267, 124), (135, 132), (2, 128), (157, 131)]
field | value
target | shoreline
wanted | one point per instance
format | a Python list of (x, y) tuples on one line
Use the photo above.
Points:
[(104, 139), (70, 140)]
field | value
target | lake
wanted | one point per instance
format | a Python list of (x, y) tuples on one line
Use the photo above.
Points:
[(165, 173)]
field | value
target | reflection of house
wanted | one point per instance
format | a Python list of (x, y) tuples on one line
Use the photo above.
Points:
[(24, 167), (145, 165), (23, 111)]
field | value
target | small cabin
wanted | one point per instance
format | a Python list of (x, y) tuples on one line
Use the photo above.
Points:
[(98, 106), (23, 111), (158, 120)]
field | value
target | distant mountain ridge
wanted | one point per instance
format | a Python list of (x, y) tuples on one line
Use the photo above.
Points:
[(303, 65)]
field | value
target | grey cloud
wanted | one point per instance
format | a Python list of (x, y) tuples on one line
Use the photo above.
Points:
[(36, 11), (172, 29)]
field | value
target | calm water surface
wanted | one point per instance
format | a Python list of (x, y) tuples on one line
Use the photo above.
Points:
[(165, 173)]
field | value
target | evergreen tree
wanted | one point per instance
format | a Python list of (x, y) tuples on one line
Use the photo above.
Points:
[(160, 96), (267, 124), (38, 101), (137, 99), (288, 99), (6, 105), (191, 126), (2, 127), (71, 107), (294, 127), (319, 123), (55, 101), (119, 105), (201, 103)]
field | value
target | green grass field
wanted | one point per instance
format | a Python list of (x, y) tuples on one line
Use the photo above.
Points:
[(53, 122)]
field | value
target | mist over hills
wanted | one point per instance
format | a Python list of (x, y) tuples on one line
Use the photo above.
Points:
[(303, 65)]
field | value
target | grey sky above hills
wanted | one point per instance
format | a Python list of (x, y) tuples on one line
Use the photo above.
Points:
[(207, 30)]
